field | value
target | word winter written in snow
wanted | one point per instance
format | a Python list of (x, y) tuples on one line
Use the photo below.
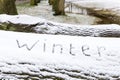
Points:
[(55, 47)]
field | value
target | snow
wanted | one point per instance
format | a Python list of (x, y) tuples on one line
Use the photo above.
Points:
[(20, 19), (102, 52), (112, 5), (80, 30), (49, 27), (44, 10), (53, 55), (100, 4), (70, 57)]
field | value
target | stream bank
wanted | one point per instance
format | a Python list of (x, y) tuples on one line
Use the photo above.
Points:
[(106, 16), (108, 13)]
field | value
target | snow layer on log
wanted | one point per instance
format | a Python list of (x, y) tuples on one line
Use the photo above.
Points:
[(40, 56), (43, 26)]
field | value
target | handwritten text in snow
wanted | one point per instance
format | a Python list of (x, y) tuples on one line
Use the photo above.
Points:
[(58, 48)]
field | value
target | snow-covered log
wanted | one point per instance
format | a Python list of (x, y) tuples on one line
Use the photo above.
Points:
[(26, 23), (58, 57), (111, 30)]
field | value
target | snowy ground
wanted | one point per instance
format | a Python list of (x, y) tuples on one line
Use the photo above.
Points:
[(107, 5), (83, 8), (98, 3), (44, 10)]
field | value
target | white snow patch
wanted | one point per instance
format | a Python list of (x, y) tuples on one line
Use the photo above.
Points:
[(20, 19)]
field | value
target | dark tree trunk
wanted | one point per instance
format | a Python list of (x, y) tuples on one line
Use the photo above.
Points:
[(58, 7), (50, 2), (38, 1), (33, 2), (8, 7)]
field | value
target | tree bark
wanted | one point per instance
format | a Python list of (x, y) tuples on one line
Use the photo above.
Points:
[(8, 7), (50, 2), (58, 7), (33, 2), (38, 1)]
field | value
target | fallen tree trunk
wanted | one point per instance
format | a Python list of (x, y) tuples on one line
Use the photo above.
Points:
[(31, 56), (41, 26), (79, 30), (27, 70), (74, 30)]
